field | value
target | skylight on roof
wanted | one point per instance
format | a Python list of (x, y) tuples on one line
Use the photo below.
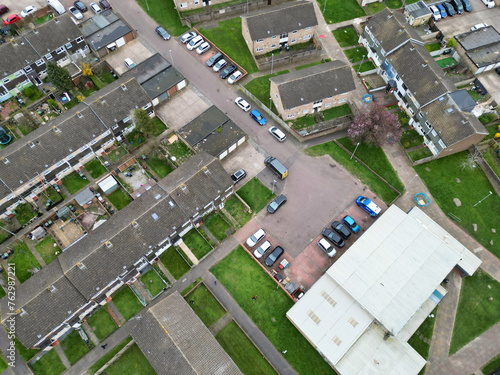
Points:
[(449, 110), (155, 216)]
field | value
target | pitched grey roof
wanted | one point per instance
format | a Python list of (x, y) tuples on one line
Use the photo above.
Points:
[(148, 68), (315, 83), (98, 22), (286, 17), (391, 29), (15, 57), (463, 100), (175, 341), (420, 73), (192, 187), (451, 124), (104, 28), (482, 46), (418, 9)]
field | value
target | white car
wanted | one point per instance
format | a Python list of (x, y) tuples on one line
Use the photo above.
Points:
[(326, 247), (195, 42), (234, 77), (28, 11), (255, 238), (204, 47), (262, 249), (489, 3), (436, 14), (278, 134), (76, 13), (243, 104), (478, 26), (129, 63), (188, 36), (95, 8), (219, 65)]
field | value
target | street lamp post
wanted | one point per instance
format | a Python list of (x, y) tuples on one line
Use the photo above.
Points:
[(270, 103), (171, 57), (354, 151), (274, 183), (147, 5), (404, 188), (272, 62), (482, 199), (361, 63), (324, 8)]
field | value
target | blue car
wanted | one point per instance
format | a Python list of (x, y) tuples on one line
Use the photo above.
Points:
[(368, 206), (351, 224), (442, 10), (258, 117)]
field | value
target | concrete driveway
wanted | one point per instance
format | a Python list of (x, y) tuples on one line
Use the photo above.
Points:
[(462, 23), (134, 50), (246, 157)]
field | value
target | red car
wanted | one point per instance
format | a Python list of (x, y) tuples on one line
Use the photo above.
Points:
[(13, 18), (3, 9)]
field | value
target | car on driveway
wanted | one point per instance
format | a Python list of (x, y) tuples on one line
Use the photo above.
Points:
[(13, 18), (262, 249), (204, 47), (105, 4), (95, 8), (436, 14), (129, 63), (80, 6), (279, 201), (367, 205), (255, 238), (467, 5), (162, 32), (276, 133), (333, 237), (326, 247), (478, 26), (219, 65), (489, 3), (258, 117), (195, 42), (341, 229), (212, 60), (3, 9), (442, 10), (76, 13), (239, 175), (227, 71), (351, 224), (28, 11), (188, 36), (234, 77), (274, 256), (243, 104), (449, 9)]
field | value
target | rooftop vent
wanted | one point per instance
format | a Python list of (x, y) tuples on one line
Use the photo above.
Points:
[(157, 197), (56, 129), (108, 244), (124, 87), (155, 216), (79, 114), (135, 224)]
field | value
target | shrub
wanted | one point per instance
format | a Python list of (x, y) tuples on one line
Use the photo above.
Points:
[(29, 92)]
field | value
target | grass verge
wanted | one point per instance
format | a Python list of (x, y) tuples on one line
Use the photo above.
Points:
[(491, 366), (165, 14), (107, 357), (261, 86), (423, 334), (340, 10), (132, 362), (204, 304), (49, 364), (346, 37), (255, 194)]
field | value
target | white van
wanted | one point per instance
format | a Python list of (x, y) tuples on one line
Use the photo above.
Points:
[(57, 6)]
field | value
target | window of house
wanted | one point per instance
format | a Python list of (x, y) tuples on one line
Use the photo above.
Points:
[(48, 56), (305, 111), (147, 106), (343, 100), (397, 78), (318, 101), (273, 45), (308, 36), (294, 32), (328, 105), (411, 111), (291, 115), (284, 35), (79, 39), (183, 5), (259, 49), (420, 115), (196, 2), (260, 40), (28, 69), (293, 40), (274, 36), (39, 62), (5, 80), (433, 132), (441, 143), (308, 28), (60, 50)]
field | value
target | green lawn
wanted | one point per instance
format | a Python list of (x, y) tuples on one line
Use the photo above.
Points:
[(261, 86), (107, 357), (423, 332), (52, 194), (492, 130), (346, 37), (97, 82), (95, 168), (493, 160), (49, 364), (153, 282), (421, 153), (191, 287), (395, 4), (433, 47), (374, 8), (2, 294), (255, 194), (229, 39), (174, 263), (25, 354), (106, 77), (491, 366), (449, 61), (24, 261), (24, 213), (127, 303), (364, 67), (159, 127), (164, 13), (486, 118), (44, 18), (158, 165), (304, 122), (244, 278), (309, 65), (101, 323), (196, 243), (340, 10), (475, 313), (208, 309), (378, 161), (132, 362), (119, 199), (3, 364), (47, 248), (356, 54), (136, 138), (217, 226), (237, 210), (474, 186), (73, 182), (117, 153), (179, 150), (74, 347), (242, 351), (411, 138), (341, 110)]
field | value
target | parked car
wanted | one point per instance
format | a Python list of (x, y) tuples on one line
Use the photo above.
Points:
[(497, 69), (219, 65), (3, 9), (28, 11), (489, 3), (129, 63), (204, 47), (258, 117), (467, 5), (227, 71), (255, 238), (105, 4), (7, 254), (351, 224), (242, 103), (457, 5), (274, 256), (188, 36), (212, 60), (442, 10), (436, 14), (367, 205), (276, 133), (80, 6), (279, 201), (76, 13), (162, 32), (234, 77), (262, 249), (333, 237), (449, 9), (95, 8), (340, 228), (478, 26), (239, 175), (326, 247), (13, 18), (195, 42)]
